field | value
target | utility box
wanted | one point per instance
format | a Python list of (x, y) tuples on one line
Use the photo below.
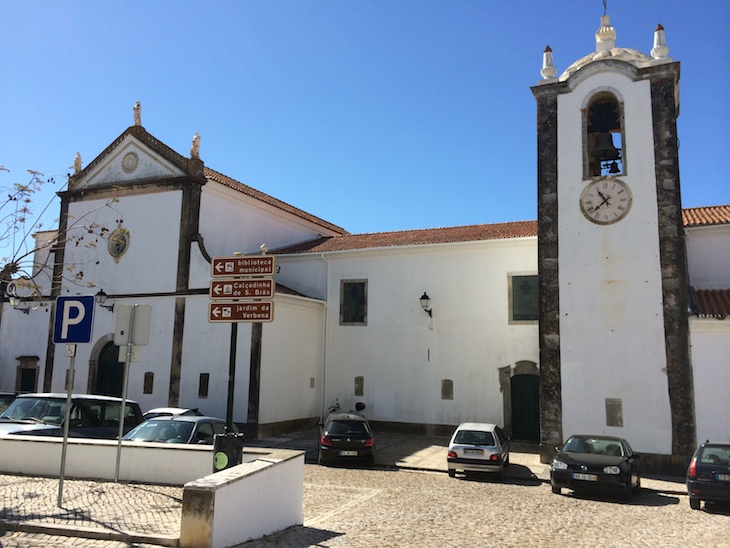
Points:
[(227, 450)]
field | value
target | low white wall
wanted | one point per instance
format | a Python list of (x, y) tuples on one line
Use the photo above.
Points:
[(96, 459), (244, 502)]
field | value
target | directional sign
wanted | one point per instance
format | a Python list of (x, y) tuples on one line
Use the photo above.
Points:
[(243, 288), (259, 265), (73, 321), (257, 311)]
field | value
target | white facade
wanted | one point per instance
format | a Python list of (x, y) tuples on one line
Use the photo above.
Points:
[(455, 365)]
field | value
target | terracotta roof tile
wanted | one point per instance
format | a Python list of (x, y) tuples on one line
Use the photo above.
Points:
[(471, 233), (245, 189), (691, 217), (705, 216), (712, 303)]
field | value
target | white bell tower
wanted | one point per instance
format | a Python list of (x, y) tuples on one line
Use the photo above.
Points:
[(614, 351)]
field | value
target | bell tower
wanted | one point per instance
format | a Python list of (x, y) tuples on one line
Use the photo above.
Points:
[(614, 336)]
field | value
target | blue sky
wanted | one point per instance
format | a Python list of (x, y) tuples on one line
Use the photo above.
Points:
[(375, 115)]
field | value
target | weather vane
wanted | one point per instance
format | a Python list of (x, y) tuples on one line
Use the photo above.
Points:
[(604, 7)]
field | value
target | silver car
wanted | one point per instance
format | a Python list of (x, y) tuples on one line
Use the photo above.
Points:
[(478, 447)]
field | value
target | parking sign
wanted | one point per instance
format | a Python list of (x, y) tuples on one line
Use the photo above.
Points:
[(74, 319)]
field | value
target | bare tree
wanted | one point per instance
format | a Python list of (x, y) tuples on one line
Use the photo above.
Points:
[(27, 264)]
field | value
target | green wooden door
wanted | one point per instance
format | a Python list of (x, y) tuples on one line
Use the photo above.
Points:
[(526, 408), (110, 375)]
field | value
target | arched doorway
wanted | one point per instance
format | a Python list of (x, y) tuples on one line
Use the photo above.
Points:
[(110, 372), (525, 391)]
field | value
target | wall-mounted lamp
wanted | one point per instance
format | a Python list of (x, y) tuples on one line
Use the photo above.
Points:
[(101, 298), (426, 304), (14, 300)]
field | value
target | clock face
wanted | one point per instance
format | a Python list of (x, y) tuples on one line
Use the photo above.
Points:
[(605, 201)]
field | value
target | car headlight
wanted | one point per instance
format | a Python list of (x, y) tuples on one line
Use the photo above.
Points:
[(612, 470), (559, 465)]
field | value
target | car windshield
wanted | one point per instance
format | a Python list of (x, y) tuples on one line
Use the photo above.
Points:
[(163, 431), (474, 437), (715, 454), (350, 427), (593, 444), (38, 409)]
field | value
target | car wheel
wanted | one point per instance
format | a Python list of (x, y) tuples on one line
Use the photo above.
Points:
[(637, 487), (694, 503), (555, 489), (452, 473), (628, 492)]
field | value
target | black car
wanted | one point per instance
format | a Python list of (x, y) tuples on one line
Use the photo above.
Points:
[(708, 475), (597, 463), (346, 437), (91, 416)]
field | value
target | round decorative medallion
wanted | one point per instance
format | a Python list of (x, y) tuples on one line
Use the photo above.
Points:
[(130, 162), (118, 242)]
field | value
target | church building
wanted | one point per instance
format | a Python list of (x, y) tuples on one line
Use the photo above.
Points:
[(602, 316)]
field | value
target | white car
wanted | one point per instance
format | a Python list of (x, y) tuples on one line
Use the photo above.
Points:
[(478, 447)]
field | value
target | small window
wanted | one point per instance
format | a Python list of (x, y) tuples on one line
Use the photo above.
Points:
[(203, 385), (523, 299), (353, 302), (614, 412), (447, 389), (149, 382)]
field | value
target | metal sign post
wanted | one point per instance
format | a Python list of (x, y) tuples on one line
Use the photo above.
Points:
[(70, 351)]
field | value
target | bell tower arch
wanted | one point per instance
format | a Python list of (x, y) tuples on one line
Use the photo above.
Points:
[(614, 351)]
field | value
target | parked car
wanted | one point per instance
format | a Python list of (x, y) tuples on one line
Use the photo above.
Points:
[(193, 429), (478, 447), (6, 398), (91, 416), (596, 463), (167, 411), (346, 437), (708, 474)]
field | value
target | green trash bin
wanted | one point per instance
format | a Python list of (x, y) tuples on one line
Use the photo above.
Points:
[(227, 450)]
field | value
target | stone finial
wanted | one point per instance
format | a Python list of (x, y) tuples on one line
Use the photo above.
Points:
[(548, 68), (606, 35), (195, 147), (77, 163), (137, 114), (660, 49)]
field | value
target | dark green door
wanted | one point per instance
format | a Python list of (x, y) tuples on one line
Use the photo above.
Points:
[(110, 375), (526, 407)]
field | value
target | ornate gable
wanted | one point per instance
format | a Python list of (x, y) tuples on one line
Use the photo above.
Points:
[(135, 156)]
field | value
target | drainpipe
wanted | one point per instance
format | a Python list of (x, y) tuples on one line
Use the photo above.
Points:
[(324, 335)]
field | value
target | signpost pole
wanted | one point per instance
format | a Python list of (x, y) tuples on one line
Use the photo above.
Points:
[(69, 389), (122, 411), (231, 376)]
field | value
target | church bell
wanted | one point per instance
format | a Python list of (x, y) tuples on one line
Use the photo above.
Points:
[(604, 149)]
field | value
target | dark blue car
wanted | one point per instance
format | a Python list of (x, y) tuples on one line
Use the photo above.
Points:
[(708, 475)]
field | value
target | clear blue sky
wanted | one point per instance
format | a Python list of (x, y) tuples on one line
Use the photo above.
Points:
[(375, 115)]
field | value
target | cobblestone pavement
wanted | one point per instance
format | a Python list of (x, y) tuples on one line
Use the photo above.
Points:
[(351, 508)]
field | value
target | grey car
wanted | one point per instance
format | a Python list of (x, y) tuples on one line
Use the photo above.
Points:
[(190, 429), (90, 416), (478, 447)]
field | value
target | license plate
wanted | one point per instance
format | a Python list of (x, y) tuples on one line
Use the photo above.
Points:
[(348, 453), (473, 452), (585, 477), (723, 477)]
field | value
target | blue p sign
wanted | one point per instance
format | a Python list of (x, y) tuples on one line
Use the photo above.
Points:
[(74, 317)]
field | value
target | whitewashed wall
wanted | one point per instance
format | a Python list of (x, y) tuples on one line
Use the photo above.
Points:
[(611, 321), (233, 222), (150, 264), (710, 340), (708, 256), (403, 354), (292, 361)]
